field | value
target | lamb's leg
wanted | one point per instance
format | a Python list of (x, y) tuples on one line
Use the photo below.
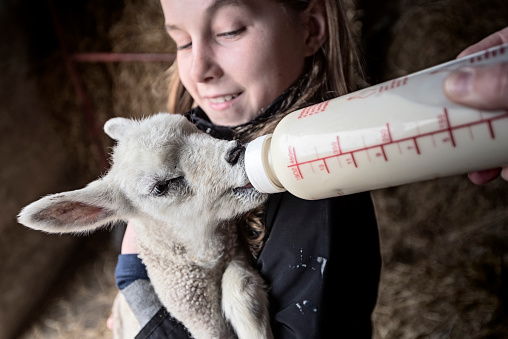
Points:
[(245, 302)]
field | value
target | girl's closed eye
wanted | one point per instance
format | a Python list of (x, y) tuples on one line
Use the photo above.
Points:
[(232, 34), (183, 47)]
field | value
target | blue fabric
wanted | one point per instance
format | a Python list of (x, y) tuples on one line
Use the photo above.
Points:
[(129, 269)]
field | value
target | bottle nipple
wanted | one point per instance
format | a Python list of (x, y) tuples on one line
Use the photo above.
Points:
[(258, 166)]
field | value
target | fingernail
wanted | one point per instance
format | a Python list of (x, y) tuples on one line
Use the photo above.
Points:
[(504, 173), (460, 83)]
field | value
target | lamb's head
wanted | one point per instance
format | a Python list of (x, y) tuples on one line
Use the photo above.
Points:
[(163, 167)]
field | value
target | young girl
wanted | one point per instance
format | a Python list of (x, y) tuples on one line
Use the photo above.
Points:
[(245, 64), (242, 65)]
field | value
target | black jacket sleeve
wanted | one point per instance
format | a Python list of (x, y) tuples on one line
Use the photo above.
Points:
[(163, 326)]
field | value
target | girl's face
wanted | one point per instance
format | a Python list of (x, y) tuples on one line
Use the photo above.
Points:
[(235, 56)]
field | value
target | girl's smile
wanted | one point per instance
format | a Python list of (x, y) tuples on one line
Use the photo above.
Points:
[(222, 102)]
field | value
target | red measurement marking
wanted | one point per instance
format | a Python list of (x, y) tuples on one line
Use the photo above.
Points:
[(322, 166), (365, 147), (471, 135), (416, 145), (339, 152), (449, 127), (487, 55), (446, 127), (384, 153), (353, 158), (489, 124), (314, 109), (386, 134), (491, 131), (296, 163), (326, 167), (363, 94), (394, 84)]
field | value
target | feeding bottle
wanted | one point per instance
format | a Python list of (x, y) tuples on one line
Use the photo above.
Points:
[(398, 132)]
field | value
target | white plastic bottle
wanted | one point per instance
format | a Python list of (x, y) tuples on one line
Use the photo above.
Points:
[(394, 133)]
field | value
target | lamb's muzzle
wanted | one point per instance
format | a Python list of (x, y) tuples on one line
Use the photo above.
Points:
[(235, 153)]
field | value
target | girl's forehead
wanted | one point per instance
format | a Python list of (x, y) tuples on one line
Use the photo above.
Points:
[(207, 6), (175, 10)]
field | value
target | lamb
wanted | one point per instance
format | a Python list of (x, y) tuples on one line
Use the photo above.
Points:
[(183, 190)]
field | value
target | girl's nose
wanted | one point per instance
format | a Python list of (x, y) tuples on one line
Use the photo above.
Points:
[(204, 68)]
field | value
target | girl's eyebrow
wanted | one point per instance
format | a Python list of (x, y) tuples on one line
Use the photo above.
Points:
[(212, 9), (170, 28), (218, 4)]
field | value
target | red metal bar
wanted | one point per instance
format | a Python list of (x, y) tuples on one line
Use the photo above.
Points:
[(124, 57)]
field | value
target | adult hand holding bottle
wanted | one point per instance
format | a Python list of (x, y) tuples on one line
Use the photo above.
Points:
[(484, 88)]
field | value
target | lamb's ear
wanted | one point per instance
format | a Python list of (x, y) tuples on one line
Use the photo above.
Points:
[(74, 211), (117, 127)]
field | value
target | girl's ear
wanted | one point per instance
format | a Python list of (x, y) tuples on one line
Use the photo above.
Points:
[(316, 25)]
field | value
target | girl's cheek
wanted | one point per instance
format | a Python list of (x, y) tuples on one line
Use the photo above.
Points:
[(183, 70)]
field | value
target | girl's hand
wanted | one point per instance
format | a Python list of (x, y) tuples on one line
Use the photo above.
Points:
[(484, 87), (128, 247), (129, 240)]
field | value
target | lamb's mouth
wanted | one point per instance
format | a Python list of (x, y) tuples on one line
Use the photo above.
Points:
[(245, 188), (249, 196)]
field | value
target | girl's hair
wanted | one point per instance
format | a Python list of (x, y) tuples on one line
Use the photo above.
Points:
[(333, 71)]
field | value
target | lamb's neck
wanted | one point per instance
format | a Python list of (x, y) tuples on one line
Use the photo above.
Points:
[(198, 243)]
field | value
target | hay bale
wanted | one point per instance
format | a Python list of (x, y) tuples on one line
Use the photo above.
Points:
[(445, 260), (140, 89), (80, 305)]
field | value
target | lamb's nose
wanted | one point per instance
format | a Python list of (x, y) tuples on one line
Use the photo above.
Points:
[(234, 154)]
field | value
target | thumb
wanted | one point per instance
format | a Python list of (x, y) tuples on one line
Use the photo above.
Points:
[(480, 87)]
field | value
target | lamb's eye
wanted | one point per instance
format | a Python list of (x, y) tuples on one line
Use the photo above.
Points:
[(161, 188)]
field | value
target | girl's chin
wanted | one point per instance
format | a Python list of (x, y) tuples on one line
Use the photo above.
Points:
[(230, 118)]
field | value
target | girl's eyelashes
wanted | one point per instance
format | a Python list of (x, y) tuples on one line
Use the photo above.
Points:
[(181, 48), (232, 34), (228, 35)]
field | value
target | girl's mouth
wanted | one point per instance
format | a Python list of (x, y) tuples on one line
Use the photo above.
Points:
[(222, 102), (223, 99)]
